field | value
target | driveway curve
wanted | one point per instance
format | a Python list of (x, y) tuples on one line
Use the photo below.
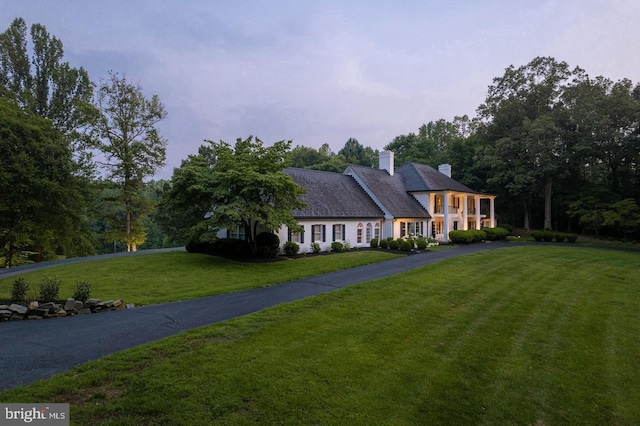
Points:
[(33, 350)]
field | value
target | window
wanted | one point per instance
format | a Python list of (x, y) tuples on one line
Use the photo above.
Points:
[(403, 229), (237, 233), (297, 237), (359, 234), (318, 233), (369, 228), (338, 232), (376, 232), (439, 204), (412, 228)]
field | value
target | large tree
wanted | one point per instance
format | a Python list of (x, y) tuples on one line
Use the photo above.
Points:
[(40, 197), (248, 187), (133, 150), (525, 119), (43, 84)]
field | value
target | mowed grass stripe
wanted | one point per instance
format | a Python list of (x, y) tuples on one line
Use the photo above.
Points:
[(529, 335)]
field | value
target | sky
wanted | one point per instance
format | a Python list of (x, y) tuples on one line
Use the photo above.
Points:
[(318, 72)]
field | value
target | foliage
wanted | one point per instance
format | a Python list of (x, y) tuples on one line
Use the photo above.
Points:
[(128, 138), (82, 291), (495, 234), (406, 246), (19, 290), (421, 243), (559, 237), (315, 248), (248, 187), (624, 216), (373, 243), (44, 85), (468, 236), (337, 247), (231, 247), (384, 244), (572, 238), (291, 248), (268, 244), (393, 245), (50, 290), (41, 200)]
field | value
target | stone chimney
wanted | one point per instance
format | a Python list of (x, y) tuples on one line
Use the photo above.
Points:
[(386, 161), (445, 169)]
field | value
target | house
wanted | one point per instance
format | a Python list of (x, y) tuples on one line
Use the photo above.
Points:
[(364, 203)]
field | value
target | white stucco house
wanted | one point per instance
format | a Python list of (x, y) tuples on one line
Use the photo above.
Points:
[(364, 203)]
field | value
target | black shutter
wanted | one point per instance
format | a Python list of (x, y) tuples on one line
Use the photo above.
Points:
[(344, 234), (302, 235), (289, 234), (333, 229), (324, 233)]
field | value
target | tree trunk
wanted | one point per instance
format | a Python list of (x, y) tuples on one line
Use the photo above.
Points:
[(526, 215), (128, 224), (547, 203)]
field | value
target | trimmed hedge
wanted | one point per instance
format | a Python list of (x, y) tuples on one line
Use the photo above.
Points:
[(267, 244), (384, 244), (373, 243), (337, 247), (548, 236), (467, 237), (291, 248), (394, 245), (495, 234)]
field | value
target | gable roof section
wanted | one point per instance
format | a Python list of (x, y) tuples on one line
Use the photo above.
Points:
[(332, 195), (389, 190), (421, 178)]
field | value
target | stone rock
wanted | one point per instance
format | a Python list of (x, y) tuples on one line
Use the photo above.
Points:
[(19, 309), (16, 317), (39, 312), (86, 304), (84, 311), (4, 307), (47, 306), (79, 304), (61, 312), (119, 304), (94, 301), (33, 305), (70, 304), (106, 304), (5, 313), (130, 305)]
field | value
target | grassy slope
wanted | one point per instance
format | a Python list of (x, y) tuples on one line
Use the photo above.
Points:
[(530, 335), (167, 277)]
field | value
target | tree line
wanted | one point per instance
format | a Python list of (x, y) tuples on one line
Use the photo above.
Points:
[(558, 147)]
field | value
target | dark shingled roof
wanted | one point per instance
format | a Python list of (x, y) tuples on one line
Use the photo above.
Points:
[(420, 177), (332, 195), (391, 192)]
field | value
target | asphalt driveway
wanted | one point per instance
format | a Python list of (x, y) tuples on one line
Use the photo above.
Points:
[(36, 349)]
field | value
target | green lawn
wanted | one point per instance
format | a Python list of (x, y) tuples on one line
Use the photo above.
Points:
[(527, 335), (167, 277)]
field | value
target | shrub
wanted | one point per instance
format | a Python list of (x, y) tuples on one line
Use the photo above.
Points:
[(506, 226), (291, 248), (82, 291), (50, 290), (460, 237), (572, 238), (315, 247), (231, 247), (268, 244), (559, 237), (394, 245), (337, 247), (373, 243), (19, 290), (347, 245), (547, 236), (384, 244), (538, 235), (495, 234), (421, 243), (406, 246)]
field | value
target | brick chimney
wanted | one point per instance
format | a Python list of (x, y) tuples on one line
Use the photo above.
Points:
[(386, 161), (445, 169)]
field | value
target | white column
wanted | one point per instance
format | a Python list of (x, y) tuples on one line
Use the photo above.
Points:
[(477, 212), (465, 213), (445, 225), (492, 212)]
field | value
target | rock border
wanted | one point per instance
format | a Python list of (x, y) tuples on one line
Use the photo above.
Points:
[(72, 307)]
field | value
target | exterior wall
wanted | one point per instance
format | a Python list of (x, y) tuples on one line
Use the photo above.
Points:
[(350, 228)]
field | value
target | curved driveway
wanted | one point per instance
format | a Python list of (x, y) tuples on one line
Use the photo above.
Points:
[(36, 349)]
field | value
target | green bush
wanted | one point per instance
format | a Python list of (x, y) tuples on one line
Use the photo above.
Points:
[(547, 236), (467, 237), (506, 226), (268, 245), (82, 291), (315, 248), (384, 244), (394, 245), (421, 243), (559, 237), (572, 238), (406, 246), (19, 290), (50, 290), (291, 248), (373, 243), (495, 234), (538, 235), (337, 247)]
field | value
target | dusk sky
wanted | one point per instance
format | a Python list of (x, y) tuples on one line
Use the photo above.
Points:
[(325, 71)]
